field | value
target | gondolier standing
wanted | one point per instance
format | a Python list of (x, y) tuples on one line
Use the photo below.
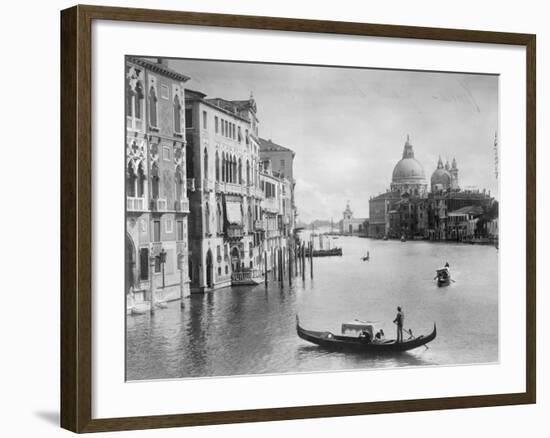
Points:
[(399, 320)]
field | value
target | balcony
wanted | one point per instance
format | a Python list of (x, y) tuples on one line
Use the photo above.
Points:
[(135, 204), (271, 205), (207, 185), (159, 205), (230, 188), (234, 232), (191, 184), (182, 206), (251, 277)]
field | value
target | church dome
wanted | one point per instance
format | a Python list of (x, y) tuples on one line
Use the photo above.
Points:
[(408, 169), (441, 177)]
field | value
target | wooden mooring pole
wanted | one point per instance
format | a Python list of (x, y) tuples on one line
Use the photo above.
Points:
[(265, 269), (290, 266), (311, 259), (303, 261)]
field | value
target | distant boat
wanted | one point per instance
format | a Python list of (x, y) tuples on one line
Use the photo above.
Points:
[(403, 238), (325, 252), (366, 258), (443, 277), (331, 341), (385, 238)]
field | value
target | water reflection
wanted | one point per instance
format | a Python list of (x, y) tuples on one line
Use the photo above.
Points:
[(251, 330)]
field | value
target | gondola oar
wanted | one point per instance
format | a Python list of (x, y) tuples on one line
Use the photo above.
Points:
[(409, 331)]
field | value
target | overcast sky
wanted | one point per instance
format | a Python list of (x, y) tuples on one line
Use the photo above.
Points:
[(348, 126)]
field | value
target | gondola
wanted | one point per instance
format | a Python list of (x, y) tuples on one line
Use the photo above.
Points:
[(331, 341), (443, 277)]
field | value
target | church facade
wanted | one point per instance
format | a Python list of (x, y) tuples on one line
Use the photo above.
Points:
[(350, 225), (409, 210)]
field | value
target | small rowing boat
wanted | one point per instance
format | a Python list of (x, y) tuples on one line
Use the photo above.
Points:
[(443, 277)]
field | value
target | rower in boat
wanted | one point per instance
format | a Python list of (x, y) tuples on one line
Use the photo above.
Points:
[(443, 275)]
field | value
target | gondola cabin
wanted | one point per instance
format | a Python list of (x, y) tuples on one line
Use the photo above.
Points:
[(357, 327)]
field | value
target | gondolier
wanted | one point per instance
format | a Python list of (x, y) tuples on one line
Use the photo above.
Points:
[(399, 320), (443, 275)]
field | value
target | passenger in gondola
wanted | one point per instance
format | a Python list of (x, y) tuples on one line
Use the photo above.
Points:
[(365, 336), (379, 337), (399, 320)]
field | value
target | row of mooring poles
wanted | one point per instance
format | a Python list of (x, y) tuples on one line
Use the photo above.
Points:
[(289, 261)]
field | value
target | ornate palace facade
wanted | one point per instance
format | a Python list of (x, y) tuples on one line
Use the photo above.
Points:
[(156, 197)]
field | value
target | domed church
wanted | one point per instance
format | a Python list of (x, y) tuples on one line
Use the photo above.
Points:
[(408, 174)]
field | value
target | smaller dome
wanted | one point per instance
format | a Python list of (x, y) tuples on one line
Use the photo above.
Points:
[(441, 177)]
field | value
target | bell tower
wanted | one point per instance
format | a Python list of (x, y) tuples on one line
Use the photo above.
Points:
[(454, 176), (348, 214)]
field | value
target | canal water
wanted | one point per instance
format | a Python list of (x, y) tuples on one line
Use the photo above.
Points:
[(251, 330)]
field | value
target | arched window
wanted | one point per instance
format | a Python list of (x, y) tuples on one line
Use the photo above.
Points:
[(177, 114), (138, 100), (155, 182), (205, 163), (207, 218), (220, 219), (130, 181), (217, 166), (234, 170), (250, 220), (140, 181), (129, 100), (152, 107), (223, 166), (240, 171), (247, 173)]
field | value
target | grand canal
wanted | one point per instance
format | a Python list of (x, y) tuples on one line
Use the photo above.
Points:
[(251, 330)]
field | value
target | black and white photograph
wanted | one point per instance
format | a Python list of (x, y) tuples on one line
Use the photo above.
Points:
[(287, 218)]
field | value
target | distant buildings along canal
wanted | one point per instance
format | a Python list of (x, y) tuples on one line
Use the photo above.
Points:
[(445, 212), (350, 225)]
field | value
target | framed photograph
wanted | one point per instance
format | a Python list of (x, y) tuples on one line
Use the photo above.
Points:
[(269, 218)]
